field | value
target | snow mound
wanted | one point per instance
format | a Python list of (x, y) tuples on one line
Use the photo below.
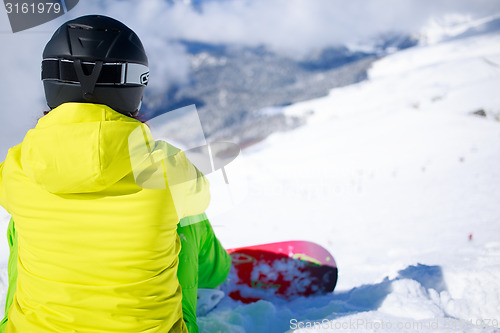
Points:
[(416, 300)]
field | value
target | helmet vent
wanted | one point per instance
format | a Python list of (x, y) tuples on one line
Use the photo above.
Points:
[(88, 27), (80, 26), (89, 43)]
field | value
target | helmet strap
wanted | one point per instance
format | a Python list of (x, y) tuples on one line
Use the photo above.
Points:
[(89, 81)]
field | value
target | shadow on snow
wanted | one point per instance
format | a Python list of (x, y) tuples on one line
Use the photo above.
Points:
[(276, 315)]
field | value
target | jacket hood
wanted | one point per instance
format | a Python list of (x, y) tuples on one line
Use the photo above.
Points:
[(78, 148)]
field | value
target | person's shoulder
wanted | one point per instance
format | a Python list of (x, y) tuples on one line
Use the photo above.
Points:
[(14, 151), (168, 149)]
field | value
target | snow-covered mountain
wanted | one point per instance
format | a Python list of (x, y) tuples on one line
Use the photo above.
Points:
[(230, 84), (396, 175)]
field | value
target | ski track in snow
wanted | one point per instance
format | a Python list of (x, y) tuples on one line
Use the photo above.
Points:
[(393, 175)]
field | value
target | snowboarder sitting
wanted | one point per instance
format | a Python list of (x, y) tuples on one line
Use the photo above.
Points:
[(91, 248)]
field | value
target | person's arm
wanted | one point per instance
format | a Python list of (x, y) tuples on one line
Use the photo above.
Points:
[(3, 197), (12, 271), (159, 165), (189, 188), (203, 263)]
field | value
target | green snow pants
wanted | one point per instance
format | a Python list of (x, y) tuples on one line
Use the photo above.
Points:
[(203, 263)]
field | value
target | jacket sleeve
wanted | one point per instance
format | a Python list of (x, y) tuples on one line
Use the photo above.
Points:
[(159, 165), (3, 196), (188, 186)]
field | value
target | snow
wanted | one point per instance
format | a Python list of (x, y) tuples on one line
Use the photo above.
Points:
[(392, 175), (399, 180), (453, 25)]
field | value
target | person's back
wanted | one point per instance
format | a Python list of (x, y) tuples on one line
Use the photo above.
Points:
[(98, 252)]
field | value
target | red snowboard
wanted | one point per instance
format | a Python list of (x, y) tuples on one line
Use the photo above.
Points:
[(285, 269)]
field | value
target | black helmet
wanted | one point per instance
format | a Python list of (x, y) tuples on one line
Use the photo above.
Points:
[(95, 59)]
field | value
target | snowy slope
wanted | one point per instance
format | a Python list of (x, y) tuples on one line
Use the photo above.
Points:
[(393, 176)]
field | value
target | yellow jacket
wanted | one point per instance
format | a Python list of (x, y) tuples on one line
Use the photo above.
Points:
[(97, 232)]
